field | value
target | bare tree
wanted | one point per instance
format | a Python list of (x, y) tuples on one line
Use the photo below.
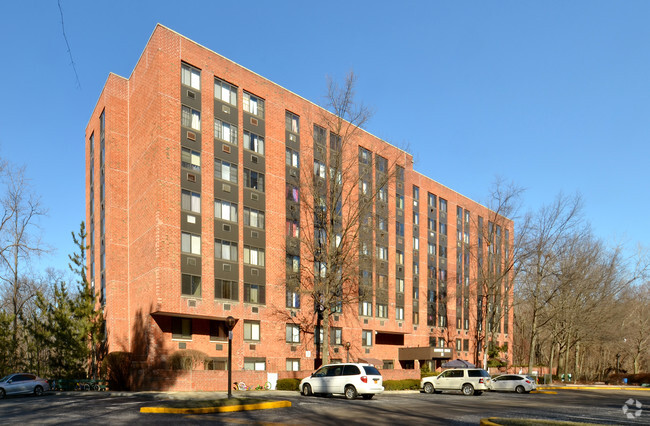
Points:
[(546, 238), (497, 255), (636, 324), (19, 242), (336, 200)]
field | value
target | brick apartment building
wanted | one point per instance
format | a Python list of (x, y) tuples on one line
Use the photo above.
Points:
[(192, 168)]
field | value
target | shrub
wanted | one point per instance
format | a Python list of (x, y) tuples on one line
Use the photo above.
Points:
[(288, 384), (186, 359), (116, 368), (406, 384), (430, 373)]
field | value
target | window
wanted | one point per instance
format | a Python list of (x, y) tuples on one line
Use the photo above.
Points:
[(225, 91), (382, 281), (399, 285), (292, 122), (190, 118), (381, 163), (431, 249), (416, 195), (366, 338), (255, 364), (459, 345), (400, 173), (443, 228), (416, 218), (190, 285), (254, 293), (293, 193), (225, 170), (399, 228), (399, 201), (181, 328), (190, 159), (293, 364), (293, 299), (336, 336), (216, 364), (251, 330), (364, 156), (443, 205), (254, 218), (253, 105), (442, 251), (431, 224), (400, 257), (292, 158), (399, 313), (254, 180), (225, 131), (365, 186), (335, 142), (416, 293), (254, 142), (365, 309), (293, 229), (382, 253), (190, 76), (320, 135), (432, 200), (190, 243), (466, 345), (292, 333), (382, 311), (225, 210), (190, 201), (381, 224), (416, 243), (319, 169), (225, 250), (253, 256), (224, 289)]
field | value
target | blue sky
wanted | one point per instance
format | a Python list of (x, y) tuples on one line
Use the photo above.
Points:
[(552, 95)]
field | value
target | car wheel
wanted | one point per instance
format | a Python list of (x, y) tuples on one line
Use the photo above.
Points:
[(520, 389), (2, 394), (38, 390), (428, 387), (367, 396), (306, 390), (350, 392), (468, 389)]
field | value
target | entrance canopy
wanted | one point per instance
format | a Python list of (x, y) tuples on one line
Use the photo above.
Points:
[(423, 353)]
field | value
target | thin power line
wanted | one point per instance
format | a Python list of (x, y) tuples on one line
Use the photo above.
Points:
[(68, 44)]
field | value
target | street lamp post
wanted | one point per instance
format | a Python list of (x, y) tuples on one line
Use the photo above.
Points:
[(347, 348), (230, 323)]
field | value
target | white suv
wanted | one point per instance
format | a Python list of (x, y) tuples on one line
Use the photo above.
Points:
[(350, 380), (470, 381)]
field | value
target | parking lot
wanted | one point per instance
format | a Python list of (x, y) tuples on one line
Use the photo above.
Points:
[(593, 406)]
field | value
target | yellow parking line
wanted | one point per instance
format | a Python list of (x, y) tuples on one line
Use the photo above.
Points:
[(225, 409)]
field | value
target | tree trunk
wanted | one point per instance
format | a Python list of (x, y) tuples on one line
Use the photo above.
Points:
[(533, 343)]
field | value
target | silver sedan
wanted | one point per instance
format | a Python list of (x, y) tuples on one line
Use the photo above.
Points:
[(513, 383), (22, 383)]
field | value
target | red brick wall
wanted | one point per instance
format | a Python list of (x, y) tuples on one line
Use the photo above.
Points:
[(143, 216)]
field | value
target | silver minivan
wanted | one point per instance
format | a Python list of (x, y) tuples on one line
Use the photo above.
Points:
[(349, 379)]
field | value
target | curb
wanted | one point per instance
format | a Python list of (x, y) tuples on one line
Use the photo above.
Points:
[(225, 409), (632, 388)]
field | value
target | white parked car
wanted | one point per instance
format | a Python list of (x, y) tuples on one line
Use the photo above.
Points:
[(348, 379), (22, 383), (513, 383), (470, 381)]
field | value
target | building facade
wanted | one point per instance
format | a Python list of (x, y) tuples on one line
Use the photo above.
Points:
[(193, 171)]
